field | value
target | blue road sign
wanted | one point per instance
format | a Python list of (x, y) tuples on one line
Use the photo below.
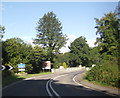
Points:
[(21, 65)]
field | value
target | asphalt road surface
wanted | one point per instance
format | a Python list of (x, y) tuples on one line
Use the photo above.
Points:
[(52, 85)]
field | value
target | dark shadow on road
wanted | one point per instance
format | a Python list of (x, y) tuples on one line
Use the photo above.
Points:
[(77, 90), (37, 88)]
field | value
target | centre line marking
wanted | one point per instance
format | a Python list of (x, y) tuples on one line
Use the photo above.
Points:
[(49, 84)]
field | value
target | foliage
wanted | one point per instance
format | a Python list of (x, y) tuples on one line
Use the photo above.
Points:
[(105, 73), (79, 52), (107, 28), (2, 31), (15, 51), (64, 65), (36, 57), (28, 68), (60, 59), (50, 34), (94, 55), (107, 69)]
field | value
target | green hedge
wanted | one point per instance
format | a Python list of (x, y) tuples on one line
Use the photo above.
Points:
[(106, 73)]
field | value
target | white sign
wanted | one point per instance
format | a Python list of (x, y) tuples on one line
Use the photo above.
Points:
[(10, 67), (3, 67), (46, 65), (7, 67), (21, 69)]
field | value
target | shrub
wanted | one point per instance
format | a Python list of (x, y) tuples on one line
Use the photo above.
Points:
[(28, 68), (6, 73), (106, 73), (64, 65)]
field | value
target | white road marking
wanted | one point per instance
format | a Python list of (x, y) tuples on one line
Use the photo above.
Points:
[(79, 83), (53, 89), (49, 83), (89, 87), (48, 88)]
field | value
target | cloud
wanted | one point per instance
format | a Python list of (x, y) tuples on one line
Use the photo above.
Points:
[(70, 40), (91, 43), (31, 43)]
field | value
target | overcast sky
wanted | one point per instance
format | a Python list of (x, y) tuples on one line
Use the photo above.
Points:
[(77, 18)]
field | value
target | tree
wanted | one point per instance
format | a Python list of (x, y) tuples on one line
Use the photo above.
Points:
[(79, 51), (36, 57), (2, 31), (15, 52), (107, 28), (49, 34), (60, 59), (94, 55)]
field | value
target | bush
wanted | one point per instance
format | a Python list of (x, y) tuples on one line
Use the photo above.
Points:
[(64, 65), (15, 69), (6, 73), (28, 68), (106, 73)]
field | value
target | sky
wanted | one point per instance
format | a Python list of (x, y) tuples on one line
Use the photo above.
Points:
[(77, 18)]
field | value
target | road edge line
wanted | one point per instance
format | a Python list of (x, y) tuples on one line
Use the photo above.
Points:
[(90, 87), (79, 83)]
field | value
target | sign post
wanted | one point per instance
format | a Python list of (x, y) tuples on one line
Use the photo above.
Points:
[(21, 67), (46, 65)]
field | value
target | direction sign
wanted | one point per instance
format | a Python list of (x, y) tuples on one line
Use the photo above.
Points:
[(10, 67), (21, 65), (6, 67), (3, 67)]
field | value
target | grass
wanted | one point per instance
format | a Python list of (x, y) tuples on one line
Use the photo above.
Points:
[(14, 77)]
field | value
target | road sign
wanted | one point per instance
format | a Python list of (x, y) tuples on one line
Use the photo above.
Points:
[(10, 67), (21, 69), (3, 67), (46, 65), (7, 67), (21, 65)]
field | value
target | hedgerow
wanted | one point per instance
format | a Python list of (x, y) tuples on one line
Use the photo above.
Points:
[(106, 73)]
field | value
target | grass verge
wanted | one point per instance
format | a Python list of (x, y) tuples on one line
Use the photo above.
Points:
[(14, 78)]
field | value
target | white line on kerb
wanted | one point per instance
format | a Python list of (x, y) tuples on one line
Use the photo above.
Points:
[(79, 83), (49, 83)]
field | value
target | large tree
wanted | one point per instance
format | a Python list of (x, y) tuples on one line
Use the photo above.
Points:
[(107, 28), (49, 34), (36, 58), (15, 51), (79, 51)]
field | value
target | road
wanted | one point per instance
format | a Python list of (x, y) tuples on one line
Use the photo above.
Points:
[(50, 85)]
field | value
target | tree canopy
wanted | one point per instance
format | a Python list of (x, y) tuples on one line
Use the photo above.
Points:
[(79, 51), (107, 28), (49, 34)]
